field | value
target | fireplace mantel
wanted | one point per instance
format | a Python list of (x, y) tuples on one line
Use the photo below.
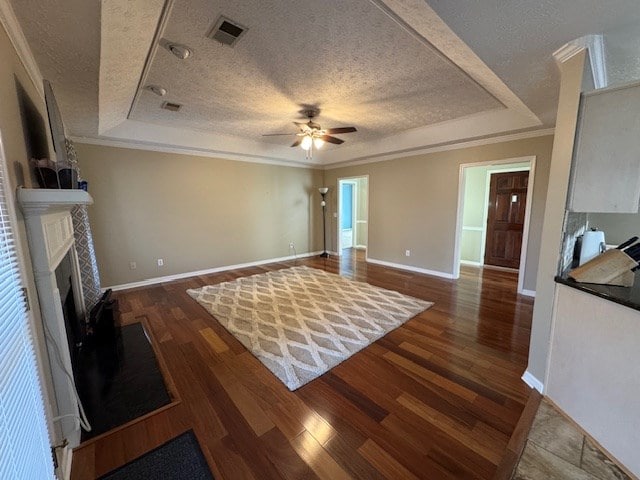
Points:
[(40, 201), (49, 224)]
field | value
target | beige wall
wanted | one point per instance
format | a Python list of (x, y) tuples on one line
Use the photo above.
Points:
[(24, 130), (413, 203), (194, 212)]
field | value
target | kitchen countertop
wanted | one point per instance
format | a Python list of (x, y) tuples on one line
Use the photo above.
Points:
[(627, 296)]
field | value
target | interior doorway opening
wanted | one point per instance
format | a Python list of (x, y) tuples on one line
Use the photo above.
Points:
[(494, 210), (353, 213)]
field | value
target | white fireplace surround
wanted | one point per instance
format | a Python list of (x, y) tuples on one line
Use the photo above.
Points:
[(49, 224)]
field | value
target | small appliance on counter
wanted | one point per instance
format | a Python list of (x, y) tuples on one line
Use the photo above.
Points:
[(613, 267), (588, 246)]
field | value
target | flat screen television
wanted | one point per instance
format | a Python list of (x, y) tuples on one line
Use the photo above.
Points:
[(56, 125)]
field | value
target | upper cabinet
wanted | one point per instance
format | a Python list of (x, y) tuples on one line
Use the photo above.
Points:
[(606, 163)]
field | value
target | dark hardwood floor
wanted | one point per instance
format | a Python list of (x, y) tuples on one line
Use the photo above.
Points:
[(438, 398)]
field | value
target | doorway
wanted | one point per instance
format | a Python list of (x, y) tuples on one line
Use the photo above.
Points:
[(353, 213), (494, 233), (505, 218)]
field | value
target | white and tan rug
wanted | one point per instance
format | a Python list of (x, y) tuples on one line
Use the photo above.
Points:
[(301, 322)]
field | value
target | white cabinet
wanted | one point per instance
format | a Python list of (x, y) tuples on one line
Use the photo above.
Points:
[(606, 163)]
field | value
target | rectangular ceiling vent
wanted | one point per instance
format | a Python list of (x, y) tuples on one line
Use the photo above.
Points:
[(226, 31), (173, 107)]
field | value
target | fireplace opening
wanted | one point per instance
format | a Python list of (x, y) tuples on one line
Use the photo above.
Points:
[(74, 322)]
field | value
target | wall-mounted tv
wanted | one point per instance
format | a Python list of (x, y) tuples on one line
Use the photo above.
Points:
[(55, 122), (63, 171)]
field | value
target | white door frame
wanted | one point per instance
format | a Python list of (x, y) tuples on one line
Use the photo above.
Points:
[(355, 200), (527, 217)]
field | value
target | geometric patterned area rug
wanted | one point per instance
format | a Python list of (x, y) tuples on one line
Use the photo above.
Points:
[(300, 322)]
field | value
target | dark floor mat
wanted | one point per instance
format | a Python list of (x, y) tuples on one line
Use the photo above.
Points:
[(179, 459), (119, 380)]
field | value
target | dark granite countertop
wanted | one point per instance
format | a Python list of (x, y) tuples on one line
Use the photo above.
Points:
[(627, 296)]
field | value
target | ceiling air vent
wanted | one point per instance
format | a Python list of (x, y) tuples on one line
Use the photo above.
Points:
[(174, 107), (226, 31)]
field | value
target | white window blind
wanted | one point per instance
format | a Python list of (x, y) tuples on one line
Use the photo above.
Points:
[(24, 441)]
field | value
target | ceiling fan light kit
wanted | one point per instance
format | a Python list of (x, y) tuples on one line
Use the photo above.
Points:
[(312, 135)]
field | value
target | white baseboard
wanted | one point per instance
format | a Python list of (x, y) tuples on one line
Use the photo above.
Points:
[(528, 293), (532, 381), (501, 269), (410, 268), (179, 276), (471, 263)]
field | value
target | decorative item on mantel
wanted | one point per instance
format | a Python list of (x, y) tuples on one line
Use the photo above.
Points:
[(62, 174)]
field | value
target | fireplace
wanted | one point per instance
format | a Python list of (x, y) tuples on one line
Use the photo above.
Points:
[(57, 275)]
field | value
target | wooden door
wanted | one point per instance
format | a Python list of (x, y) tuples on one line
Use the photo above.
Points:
[(505, 220)]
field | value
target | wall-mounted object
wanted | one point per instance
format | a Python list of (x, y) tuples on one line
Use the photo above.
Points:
[(605, 175)]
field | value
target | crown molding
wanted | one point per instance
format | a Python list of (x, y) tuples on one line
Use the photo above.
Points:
[(598, 61), (569, 50), (154, 147), (14, 31), (447, 147), (136, 145), (594, 45)]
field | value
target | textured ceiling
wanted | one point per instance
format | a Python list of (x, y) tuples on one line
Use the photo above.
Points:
[(349, 58), (516, 38), (368, 63), (64, 36)]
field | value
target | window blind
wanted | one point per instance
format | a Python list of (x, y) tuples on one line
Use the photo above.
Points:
[(24, 440)]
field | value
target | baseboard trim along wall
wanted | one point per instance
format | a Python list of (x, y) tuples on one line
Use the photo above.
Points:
[(532, 381), (528, 293), (470, 263), (400, 266), (179, 276)]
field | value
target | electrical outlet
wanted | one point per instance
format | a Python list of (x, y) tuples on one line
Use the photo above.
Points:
[(160, 262), (407, 253), (291, 246), (132, 265)]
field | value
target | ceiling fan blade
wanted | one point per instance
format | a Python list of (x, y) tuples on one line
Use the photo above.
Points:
[(330, 139), (332, 131), (297, 142), (276, 134)]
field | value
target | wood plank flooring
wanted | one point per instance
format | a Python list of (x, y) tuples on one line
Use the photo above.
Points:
[(438, 398)]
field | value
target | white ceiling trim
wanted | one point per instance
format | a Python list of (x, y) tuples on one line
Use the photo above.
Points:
[(484, 124), (199, 140), (154, 147), (419, 19), (594, 44), (598, 61), (570, 49), (451, 146), (19, 42)]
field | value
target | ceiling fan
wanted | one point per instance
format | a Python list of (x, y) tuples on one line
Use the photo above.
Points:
[(313, 135)]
